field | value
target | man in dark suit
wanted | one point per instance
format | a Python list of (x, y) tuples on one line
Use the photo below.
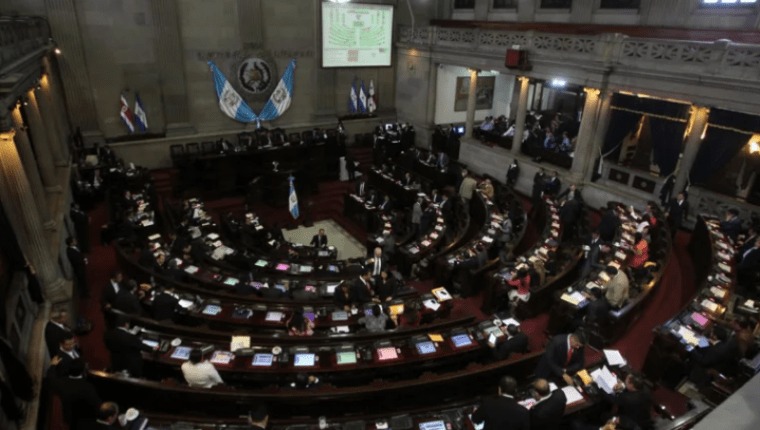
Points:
[(678, 210), (112, 289), (608, 225), (78, 265), (569, 217), (107, 416), (386, 205), (634, 403), (164, 306), (749, 265), (749, 242), (731, 225), (81, 226), (562, 358), (539, 183), (258, 418), (126, 301), (361, 290), (125, 349), (502, 412), (722, 356), (517, 341), (547, 413), (56, 331), (320, 239), (65, 354), (591, 260), (79, 400), (553, 185)]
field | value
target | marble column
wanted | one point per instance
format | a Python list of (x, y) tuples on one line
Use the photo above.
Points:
[(584, 144), (600, 132), (431, 100), (21, 209), (697, 124), (49, 116), (171, 65), (52, 76), (40, 143), (24, 148), (522, 113), (471, 99)]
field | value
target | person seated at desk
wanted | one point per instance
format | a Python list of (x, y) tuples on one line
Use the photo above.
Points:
[(342, 296), (486, 187), (199, 372), (721, 356), (299, 324), (435, 196), (517, 341), (520, 281), (320, 239), (386, 205), (407, 180), (562, 358), (749, 265), (618, 288), (258, 418), (125, 349), (376, 321), (549, 409), (640, 254), (173, 271), (731, 225), (598, 308), (386, 286), (502, 412), (411, 317)]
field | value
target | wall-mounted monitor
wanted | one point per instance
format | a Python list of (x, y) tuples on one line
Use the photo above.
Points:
[(356, 34)]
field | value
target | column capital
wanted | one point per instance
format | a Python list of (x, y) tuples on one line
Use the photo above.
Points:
[(592, 91), (523, 79)]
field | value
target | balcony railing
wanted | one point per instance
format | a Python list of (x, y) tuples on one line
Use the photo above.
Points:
[(719, 58), (20, 36)]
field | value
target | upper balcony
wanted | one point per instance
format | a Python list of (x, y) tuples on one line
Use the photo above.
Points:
[(20, 36)]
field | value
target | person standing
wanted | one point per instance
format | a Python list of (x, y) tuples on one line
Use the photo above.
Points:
[(677, 212), (78, 266), (502, 412)]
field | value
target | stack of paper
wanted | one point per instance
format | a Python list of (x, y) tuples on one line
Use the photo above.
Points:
[(614, 358), (605, 379), (574, 298), (572, 395), (528, 403)]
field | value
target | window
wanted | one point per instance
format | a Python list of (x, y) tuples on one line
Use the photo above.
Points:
[(728, 3), (620, 4), (464, 4), (556, 4), (505, 4)]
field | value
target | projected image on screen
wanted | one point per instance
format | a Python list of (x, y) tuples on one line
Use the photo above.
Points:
[(346, 357), (461, 340), (425, 348), (356, 35), (433, 425), (262, 360)]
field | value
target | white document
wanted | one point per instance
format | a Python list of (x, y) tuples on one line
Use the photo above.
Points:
[(572, 395), (614, 358), (605, 379)]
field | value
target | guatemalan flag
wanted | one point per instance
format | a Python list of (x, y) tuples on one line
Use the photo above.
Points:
[(126, 115), (293, 199), (280, 99), (362, 99), (141, 119), (229, 100), (353, 99)]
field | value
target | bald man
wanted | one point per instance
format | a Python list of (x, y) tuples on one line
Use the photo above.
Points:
[(547, 413)]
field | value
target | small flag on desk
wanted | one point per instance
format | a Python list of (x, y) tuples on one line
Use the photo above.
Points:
[(141, 119), (126, 114), (293, 199)]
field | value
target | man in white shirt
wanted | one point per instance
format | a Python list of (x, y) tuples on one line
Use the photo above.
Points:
[(199, 372)]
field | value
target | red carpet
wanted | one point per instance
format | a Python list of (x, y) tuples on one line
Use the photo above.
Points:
[(677, 286)]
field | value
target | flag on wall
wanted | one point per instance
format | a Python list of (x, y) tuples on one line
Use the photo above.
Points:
[(371, 103), (293, 199), (353, 99), (229, 100), (126, 115), (280, 99), (362, 99), (141, 119)]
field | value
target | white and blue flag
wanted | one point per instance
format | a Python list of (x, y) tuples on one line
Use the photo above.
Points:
[(141, 119), (293, 199), (229, 100), (362, 99), (353, 99), (371, 103), (280, 99)]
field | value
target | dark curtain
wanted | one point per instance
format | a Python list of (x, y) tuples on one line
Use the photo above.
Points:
[(622, 123), (718, 148), (667, 142)]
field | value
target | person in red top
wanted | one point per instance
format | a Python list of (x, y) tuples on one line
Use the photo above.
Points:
[(521, 281), (640, 254)]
